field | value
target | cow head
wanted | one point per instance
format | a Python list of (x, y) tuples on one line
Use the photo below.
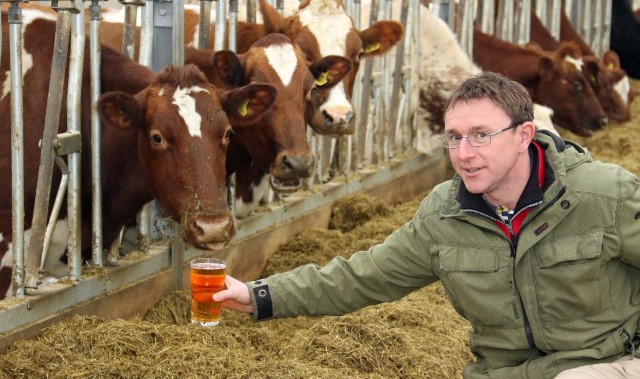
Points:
[(322, 28), (562, 78), (611, 85), (278, 141), (183, 127)]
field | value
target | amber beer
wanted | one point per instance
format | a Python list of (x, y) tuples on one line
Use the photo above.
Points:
[(207, 278)]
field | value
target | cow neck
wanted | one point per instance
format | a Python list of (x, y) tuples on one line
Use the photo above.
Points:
[(237, 157), (531, 196)]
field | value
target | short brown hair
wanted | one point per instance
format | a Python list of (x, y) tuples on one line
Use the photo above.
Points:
[(502, 91)]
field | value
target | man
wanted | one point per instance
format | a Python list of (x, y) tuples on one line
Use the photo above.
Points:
[(536, 244)]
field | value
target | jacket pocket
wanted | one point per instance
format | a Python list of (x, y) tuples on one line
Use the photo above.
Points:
[(481, 284), (567, 278)]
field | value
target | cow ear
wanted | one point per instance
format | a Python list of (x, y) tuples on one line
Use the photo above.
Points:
[(569, 48), (228, 67), (274, 22), (591, 70), (120, 109), (380, 37), (546, 69), (249, 103), (330, 70), (611, 60)]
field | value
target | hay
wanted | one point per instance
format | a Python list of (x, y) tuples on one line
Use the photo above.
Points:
[(419, 336)]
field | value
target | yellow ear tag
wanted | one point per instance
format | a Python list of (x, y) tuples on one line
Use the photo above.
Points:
[(611, 66), (322, 80), (243, 108), (371, 48)]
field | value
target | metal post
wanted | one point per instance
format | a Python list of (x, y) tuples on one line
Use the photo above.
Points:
[(221, 25), (487, 23), (233, 25), (363, 111), (606, 27), (397, 80), (204, 25), (52, 118), (17, 147), (96, 132), (357, 138), (74, 125), (178, 32), (523, 22), (162, 51)]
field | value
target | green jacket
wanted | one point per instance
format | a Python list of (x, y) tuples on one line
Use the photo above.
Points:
[(564, 292)]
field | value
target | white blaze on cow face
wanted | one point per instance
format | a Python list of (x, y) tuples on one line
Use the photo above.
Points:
[(187, 108), (576, 62), (28, 16), (283, 60), (622, 88), (330, 25)]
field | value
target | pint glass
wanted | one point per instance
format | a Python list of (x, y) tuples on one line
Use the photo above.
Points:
[(207, 278)]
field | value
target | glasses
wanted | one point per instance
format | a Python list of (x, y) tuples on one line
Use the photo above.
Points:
[(475, 139)]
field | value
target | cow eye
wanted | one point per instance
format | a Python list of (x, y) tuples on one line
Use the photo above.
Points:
[(228, 134), (578, 85), (156, 138)]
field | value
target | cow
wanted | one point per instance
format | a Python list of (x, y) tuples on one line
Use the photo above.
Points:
[(625, 37), (164, 136), (609, 82), (554, 79)]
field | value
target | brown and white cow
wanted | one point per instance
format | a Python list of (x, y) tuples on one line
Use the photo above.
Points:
[(321, 28), (163, 136), (554, 79), (609, 82)]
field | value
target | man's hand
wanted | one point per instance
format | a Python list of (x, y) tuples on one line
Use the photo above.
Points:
[(236, 297)]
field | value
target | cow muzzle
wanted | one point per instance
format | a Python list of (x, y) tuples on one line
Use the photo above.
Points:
[(209, 232)]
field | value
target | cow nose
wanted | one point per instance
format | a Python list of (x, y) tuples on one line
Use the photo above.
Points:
[(599, 123), (297, 165), (337, 115), (210, 231)]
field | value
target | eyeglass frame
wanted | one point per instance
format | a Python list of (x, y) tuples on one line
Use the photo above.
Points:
[(444, 135)]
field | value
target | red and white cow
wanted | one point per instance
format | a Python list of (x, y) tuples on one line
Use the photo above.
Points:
[(164, 136), (554, 79), (609, 82)]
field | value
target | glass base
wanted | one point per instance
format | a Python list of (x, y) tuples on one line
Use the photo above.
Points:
[(205, 323)]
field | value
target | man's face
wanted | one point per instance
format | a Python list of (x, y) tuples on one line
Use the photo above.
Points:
[(488, 169)]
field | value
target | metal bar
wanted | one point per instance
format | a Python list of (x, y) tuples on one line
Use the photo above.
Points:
[(177, 256), (233, 25), (74, 124), (221, 25), (596, 44), (146, 34), (251, 10), (55, 210), (397, 81), (143, 218), (606, 27), (487, 18), (52, 118), (554, 19), (17, 147), (205, 24), (178, 32), (129, 32), (96, 132), (523, 22), (357, 139), (363, 111)]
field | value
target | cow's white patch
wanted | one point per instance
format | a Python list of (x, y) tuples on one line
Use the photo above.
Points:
[(283, 60), (161, 92), (576, 62), (243, 209), (622, 87), (187, 108), (337, 98), (329, 24)]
